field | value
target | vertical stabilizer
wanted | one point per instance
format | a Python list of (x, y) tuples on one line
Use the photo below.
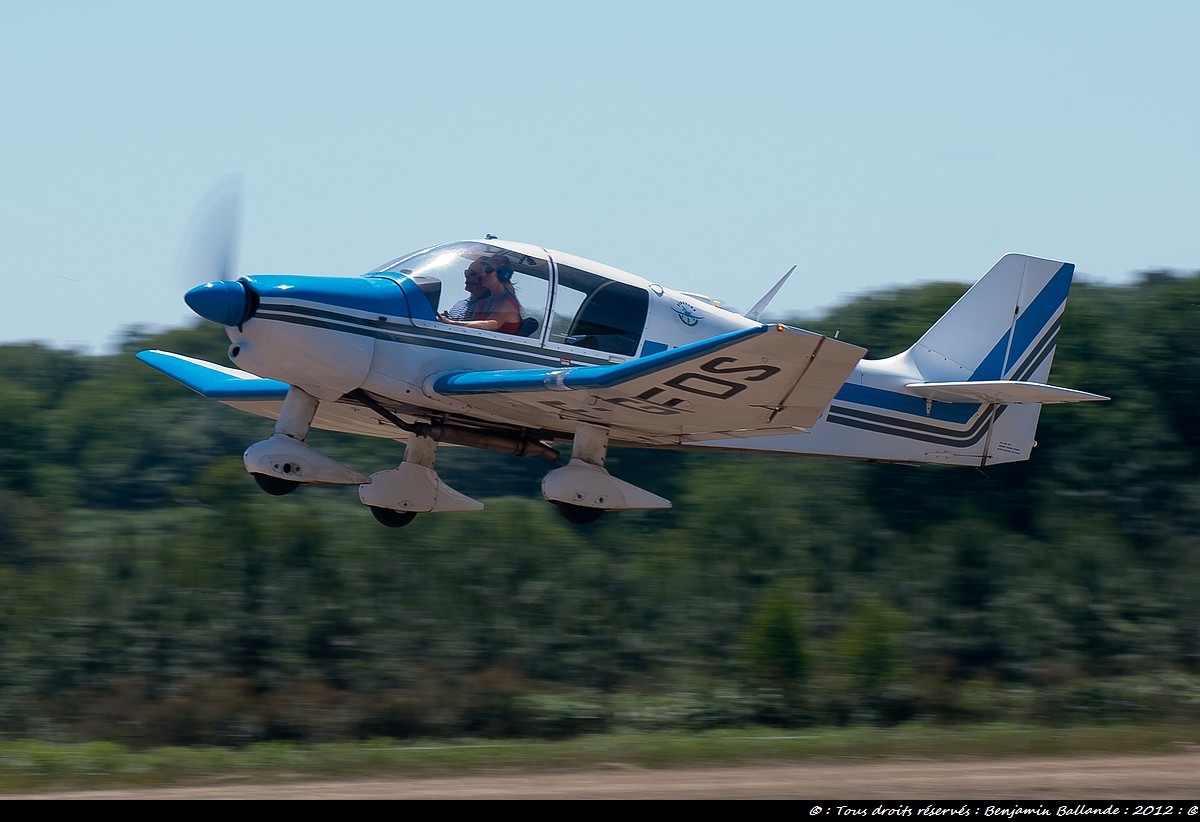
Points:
[(1004, 327), (968, 392)]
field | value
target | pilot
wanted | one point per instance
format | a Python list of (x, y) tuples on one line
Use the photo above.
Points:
[(492, 304)]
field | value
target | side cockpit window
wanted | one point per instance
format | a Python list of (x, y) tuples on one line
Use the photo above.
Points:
[(597, 313), (431, 287)]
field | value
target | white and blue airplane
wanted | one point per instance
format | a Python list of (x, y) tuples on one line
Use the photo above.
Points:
[(596, 357)]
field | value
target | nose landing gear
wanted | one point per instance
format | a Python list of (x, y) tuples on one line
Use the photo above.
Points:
[(282, 462)]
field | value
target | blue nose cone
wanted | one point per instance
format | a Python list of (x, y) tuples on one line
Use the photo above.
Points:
[(222, 302)]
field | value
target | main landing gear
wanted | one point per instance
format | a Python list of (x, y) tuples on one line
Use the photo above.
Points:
[(398, 495), (582, 490), (283, 462)]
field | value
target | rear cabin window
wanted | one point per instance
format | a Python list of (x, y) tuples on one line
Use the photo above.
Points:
[(593, 312)]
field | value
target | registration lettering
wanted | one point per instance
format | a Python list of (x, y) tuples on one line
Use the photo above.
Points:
[(718, 379)]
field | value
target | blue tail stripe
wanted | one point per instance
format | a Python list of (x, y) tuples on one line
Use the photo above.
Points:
[(1034, 319), (1029, 327), (1029, 331), (990, 368)]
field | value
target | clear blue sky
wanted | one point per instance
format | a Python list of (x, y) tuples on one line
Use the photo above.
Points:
[(706, 145)]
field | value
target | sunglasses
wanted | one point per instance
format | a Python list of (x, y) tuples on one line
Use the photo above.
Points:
[(487, 269)]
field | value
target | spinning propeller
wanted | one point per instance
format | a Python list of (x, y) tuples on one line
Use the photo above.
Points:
[(210, 252)]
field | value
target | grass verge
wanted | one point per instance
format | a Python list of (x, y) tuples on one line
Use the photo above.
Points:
[(36, 766)]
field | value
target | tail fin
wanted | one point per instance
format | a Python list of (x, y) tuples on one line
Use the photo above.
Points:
[(1004, 328), (968, 392), (995, 346)]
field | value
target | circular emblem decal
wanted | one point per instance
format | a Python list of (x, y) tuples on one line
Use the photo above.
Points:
[(687, 313)]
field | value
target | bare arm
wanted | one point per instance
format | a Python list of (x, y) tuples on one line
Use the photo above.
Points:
[(485, 325)]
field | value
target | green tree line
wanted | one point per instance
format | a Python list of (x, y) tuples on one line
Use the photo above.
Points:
[(150, 594)]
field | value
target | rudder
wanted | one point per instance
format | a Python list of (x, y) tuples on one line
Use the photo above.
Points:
[(1004, 327)]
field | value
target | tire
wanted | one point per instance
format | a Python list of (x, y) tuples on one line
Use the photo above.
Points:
[(275, 486), (392, 518), (577, 514)]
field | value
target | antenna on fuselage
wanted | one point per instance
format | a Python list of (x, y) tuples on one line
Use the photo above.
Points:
[(761, 305)]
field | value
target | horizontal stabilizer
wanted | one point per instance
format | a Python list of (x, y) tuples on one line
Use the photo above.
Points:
[(214, 381), (1000, 392)]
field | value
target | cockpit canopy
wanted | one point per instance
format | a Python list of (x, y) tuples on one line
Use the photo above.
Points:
[(562, 305)]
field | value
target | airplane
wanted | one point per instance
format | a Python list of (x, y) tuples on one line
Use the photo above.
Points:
[(598, 357)]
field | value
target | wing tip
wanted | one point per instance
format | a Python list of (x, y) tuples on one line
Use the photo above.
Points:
[(213, 381)]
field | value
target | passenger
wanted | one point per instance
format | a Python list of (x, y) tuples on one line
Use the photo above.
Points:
[(492, 304)]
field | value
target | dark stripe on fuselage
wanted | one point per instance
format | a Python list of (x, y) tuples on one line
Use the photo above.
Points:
[(389, 331), (923, 431), (882, 424)]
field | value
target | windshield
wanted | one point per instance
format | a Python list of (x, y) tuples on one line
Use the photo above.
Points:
[(590, 310), (445, 275)]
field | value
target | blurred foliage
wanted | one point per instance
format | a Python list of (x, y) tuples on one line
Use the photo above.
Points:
[(149, 594)]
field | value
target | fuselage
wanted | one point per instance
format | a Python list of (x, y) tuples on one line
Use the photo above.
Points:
[(517, 348), (385, 333), (381, 332)]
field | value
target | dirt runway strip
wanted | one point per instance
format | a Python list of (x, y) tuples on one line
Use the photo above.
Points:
[(1147, 778)]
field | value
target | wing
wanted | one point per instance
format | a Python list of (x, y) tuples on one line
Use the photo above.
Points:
[(215, 381), (261, 396), (766, 379)]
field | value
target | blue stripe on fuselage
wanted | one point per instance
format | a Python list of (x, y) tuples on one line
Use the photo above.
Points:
[(958, 413), (1029, 330)]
